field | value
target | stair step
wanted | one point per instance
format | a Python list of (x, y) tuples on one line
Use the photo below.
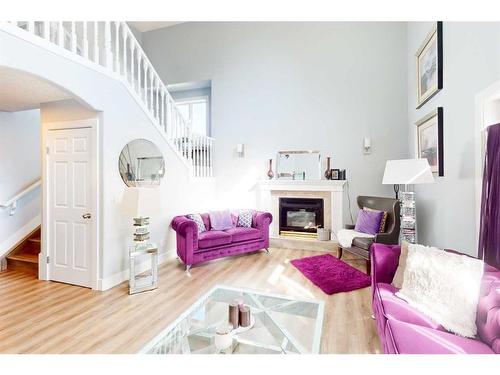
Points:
[(24, 257), (23, 262), (35, 240)]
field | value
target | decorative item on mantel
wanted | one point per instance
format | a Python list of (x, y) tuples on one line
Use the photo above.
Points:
[(270, 172), (328, 171)]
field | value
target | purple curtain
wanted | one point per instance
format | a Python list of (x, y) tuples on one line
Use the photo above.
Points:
[(489, 233)]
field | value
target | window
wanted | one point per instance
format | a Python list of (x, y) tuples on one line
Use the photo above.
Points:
[(196, 110)]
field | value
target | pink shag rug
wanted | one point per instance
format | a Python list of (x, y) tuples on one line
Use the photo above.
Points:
[(330, 274)]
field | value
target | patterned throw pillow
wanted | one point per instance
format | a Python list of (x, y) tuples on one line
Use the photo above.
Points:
[(199, 222), (245, 218), (382, 222)]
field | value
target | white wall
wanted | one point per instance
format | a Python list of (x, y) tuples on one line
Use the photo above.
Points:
[(279, 86), (446, 209), (122, 120), (19, 167)]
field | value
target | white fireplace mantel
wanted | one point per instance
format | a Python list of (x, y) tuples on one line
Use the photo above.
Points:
[(268, 192)]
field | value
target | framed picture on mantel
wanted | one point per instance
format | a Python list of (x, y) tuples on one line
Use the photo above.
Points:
[(429, 140), (430, 65)]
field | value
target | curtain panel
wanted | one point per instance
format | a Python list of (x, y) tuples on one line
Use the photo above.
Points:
[(489, 234)]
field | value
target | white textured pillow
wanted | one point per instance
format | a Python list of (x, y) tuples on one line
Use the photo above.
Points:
[(245, 218), (444, 286)]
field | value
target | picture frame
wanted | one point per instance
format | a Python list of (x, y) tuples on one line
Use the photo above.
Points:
[(335, 174), (429, 65), (429, 140)]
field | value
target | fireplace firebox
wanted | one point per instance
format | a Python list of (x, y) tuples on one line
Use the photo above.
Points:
[(300, 216)]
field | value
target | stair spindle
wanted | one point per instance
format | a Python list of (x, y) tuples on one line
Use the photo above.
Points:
[(96, 42), (85, 41), (46, 30), (60, 35), (73, 37), (107, 45)]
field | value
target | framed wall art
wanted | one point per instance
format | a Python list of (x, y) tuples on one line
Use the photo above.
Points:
[(429, 140), (430, 65)]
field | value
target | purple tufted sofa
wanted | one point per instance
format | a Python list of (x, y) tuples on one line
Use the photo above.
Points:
[(404, 330), (213, 244)]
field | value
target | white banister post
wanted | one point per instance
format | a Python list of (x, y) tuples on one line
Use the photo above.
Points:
[(132, 63), (60, 34), (117, 47), (108, 53), (168, 124), (162, 111), (157, 111), (139, 75), (124, 36), (73, 37), (96, 42), (46, 30), (85, 40), (31, 26), (190, 144), (146, 85), (151, 91), (206, 156)]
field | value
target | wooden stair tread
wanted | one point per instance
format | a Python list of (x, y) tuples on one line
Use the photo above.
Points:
[(24, 257), (36, 239)]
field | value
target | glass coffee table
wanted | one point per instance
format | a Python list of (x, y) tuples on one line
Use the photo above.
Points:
[(283, 324)]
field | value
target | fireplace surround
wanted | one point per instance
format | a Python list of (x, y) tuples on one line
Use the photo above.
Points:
[(300, 216)]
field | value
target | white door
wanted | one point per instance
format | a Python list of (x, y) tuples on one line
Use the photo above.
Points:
[(70, 201)]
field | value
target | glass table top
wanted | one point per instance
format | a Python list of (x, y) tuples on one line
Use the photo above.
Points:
[(283, 324)]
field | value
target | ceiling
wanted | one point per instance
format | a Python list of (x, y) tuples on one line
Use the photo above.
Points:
[(144, 26), (20, 91)]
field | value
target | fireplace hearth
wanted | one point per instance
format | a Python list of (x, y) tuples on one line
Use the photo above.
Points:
[(300, 216)]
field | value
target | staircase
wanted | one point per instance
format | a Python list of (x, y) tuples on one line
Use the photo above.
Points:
[(24, 257), (111, 48)]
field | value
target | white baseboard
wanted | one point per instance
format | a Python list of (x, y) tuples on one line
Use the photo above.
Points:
[(22, 232), (119, 277)]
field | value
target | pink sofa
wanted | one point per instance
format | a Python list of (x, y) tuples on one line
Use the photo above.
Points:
[(212, 244), (404, 330)]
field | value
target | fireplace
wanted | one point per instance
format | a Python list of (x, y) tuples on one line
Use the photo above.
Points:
[(300, 216)]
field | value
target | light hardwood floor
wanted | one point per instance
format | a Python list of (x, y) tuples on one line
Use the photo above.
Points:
[(49, 317)]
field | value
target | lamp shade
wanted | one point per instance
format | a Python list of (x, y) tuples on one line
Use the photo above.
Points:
[(407, 172), (141, 202)]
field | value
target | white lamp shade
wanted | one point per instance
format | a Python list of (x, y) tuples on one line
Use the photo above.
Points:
[(141, 202), (407, 172)]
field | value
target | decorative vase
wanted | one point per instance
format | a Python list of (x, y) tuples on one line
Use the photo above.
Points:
[(270, 172), (328, 172)]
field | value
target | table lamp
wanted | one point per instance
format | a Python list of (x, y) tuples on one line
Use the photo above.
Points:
[(140, 204), (407, 172)]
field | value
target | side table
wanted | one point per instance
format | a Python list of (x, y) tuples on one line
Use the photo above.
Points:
[(143, 280)]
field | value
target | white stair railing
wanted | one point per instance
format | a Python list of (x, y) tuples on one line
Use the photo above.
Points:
[(12, 202), (112, 45)]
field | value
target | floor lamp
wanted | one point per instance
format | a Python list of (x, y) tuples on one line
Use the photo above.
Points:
[(407, 172)]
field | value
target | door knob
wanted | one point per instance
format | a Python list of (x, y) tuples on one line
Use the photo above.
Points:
[(86, 216)]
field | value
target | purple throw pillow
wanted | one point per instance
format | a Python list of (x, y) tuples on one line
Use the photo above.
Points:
[(368, 221), (221, 220)]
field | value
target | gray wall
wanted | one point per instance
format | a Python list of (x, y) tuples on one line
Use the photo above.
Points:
[(19, 167), (294, 86), (446, 209)]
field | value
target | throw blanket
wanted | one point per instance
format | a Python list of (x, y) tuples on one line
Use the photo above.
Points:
[(444, 286), (345, 236)]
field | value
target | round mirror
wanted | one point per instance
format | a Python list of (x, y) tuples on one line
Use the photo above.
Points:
[(141, 164)]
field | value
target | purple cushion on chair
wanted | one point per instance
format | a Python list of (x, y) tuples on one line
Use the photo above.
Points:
[(213, 238), (244, 234), (368, 221), (220, 220)]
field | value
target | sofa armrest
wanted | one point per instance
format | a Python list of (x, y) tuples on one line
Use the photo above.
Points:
[(187, 238), (349, 226), (385, 260), (262, 219)]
